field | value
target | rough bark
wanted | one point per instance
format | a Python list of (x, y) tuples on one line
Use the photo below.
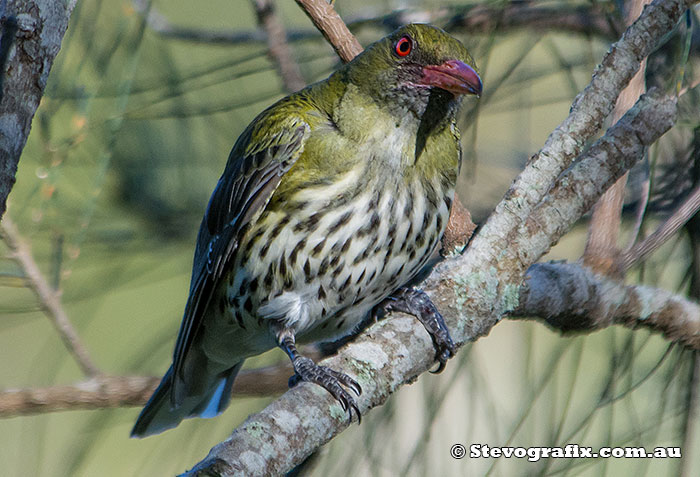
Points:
[(32, 34), (571, 298)]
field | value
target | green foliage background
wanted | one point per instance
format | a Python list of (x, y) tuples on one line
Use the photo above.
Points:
[(128, 143)]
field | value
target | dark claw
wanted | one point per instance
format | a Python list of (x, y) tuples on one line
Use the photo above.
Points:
[(357, 411), (439, 369), (416, 303), (446, 350), (344, 379), (356, 388), (331, 380)]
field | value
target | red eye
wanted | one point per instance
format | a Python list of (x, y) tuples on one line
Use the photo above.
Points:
[(403, 46)]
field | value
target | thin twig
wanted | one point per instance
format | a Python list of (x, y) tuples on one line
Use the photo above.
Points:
[(277, 45), (104, 391), (158, 23), (99, 392), (649, 245), (49, 299), (326, 19)]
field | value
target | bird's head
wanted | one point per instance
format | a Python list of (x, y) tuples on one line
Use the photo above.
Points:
[(412, 64)]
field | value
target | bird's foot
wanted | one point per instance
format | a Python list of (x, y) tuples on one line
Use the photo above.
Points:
[(329, 379), (417, 303)]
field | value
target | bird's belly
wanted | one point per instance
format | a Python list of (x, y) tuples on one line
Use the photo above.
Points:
[(320, 270), (388, 255)]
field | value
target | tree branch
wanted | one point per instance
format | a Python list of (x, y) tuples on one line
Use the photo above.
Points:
[(604, 229), (49, 299), (104, 391), (570, 298), (31, 46), (574, 193), (98, 392), (334, 30), (277, 45)]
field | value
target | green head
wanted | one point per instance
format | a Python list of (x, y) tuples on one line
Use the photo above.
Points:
[(414, 65)]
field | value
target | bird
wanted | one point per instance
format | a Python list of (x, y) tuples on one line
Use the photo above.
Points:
[(331, 202)]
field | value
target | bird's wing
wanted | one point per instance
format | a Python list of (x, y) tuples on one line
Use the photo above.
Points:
[(261, 156)]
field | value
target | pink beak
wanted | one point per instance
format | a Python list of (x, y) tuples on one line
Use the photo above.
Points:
[(453, 76)]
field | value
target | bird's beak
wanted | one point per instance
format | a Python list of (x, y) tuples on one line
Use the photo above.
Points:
[(453, 76)]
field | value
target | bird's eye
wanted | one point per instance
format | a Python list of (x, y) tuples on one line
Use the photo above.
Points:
[(403, 46)]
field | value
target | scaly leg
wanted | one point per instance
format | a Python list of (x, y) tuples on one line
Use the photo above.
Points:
[(417, 303), (327, 378)]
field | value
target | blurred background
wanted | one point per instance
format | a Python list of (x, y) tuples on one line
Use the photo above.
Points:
[(129, 140)]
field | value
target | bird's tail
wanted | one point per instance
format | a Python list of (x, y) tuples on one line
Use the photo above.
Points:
[(158, 415)]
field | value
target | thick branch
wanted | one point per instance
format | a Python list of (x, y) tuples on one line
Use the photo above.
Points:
[(31, 45), (572, 298), (605, 162)]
